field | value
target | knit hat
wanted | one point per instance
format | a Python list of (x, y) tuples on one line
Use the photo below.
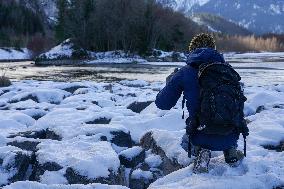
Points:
[(202, 40)]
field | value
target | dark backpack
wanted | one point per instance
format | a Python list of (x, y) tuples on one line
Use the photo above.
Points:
[(221, 100)]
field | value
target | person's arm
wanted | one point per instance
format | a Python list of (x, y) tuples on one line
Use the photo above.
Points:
[(169, 95)]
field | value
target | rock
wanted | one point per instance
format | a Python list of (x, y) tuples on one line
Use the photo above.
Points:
[(140, 179), (37, 116), (260, 109), (35, 113), (41, 134), (72, 89), (25, 145), (248, 121), (24, 98), (277, 148), (14, 163), (52, 135), (109, 88), (138, 107), (83, 160), (21, 164), (131, 94), (38, 169), (29, 134), (131, 157), (280, 106), (185, 142), (52, 96), (102, 120), (74, 177), (121, 139), (81, 108), (5, 81), (168, 165)]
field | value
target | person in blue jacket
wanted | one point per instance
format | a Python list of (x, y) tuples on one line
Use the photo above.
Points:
[(185, 80)]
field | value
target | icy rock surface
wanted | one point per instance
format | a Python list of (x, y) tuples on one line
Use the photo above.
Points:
[(76, 133)]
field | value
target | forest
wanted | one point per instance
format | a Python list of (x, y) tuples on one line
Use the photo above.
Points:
[(130, 25), (18, 24), (103, 25)]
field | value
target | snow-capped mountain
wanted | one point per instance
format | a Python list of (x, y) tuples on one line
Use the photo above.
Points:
[(259, 16), (218, 24)]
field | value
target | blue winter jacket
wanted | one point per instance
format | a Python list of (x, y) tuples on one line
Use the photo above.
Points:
[(186, 80)]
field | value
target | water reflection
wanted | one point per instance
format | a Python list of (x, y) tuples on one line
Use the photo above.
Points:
[(252, 73)]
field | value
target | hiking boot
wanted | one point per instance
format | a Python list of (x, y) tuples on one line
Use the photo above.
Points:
[(233, 157), (201, 162)]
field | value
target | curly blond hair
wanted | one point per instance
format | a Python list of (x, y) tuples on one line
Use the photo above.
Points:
[(202, 40)]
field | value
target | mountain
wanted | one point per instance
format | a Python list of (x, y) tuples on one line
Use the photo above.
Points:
[(219, 24), (259, 16), (46, 8)]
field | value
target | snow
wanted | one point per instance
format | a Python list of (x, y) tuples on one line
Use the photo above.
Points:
[(63, 50), (137, 83), (131, 152), (35, 185), (200, 22), (185, 4), (53, 177), (153, 160), (82, 150), (14, 54), (170, 142), (260, 169), (53, 96), (88, 157), (138, 174), (276, 9), (7, 155), (66, 49)]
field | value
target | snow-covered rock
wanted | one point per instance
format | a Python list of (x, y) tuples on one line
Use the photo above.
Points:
[(82, 157), (79, 139), (131, 157), (67, 53), (61, 51), (167, 144), (14, 164), (54, 96)]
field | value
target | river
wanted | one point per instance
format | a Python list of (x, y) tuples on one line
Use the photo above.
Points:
[(254, 70)]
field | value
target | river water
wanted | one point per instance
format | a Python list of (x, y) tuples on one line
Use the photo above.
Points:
[(259, 70)]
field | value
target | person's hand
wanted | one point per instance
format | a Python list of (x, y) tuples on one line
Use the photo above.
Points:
[(171, 75)]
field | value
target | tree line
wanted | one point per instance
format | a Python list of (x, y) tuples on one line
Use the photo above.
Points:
[(130, 25), (18, 24), (103, 25)]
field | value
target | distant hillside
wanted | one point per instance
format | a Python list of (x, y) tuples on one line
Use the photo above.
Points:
[(18, 23), (218, 24), (46, 8), (259, 16)]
